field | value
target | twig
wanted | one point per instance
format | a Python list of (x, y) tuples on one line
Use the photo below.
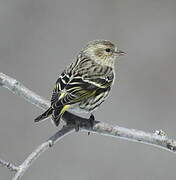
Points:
[(40, 149), (159, 140)]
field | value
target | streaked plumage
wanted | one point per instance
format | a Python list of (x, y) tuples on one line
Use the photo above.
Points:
[(85, 84)]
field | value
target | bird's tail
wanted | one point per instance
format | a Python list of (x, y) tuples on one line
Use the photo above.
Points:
[(45, 115), (58, 112)]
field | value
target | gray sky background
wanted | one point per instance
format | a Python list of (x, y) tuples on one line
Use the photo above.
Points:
[(38, 38)]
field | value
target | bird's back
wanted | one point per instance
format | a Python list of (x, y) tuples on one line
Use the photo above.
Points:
[(93, 77)]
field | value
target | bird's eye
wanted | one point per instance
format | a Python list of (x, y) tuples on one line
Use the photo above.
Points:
[(108, 50)]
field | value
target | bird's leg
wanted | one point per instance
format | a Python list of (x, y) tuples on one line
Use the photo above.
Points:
[(78, 122), (77, 125), (73, 122), (91, 121)]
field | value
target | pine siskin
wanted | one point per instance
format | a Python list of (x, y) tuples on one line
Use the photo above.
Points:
[(84, 85)]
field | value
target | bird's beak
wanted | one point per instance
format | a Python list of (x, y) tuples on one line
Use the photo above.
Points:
[(120, 53)]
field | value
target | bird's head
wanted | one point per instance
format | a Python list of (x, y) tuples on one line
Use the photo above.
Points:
[(102, 51)]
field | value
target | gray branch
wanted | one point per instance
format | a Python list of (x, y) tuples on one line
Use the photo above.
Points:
[(40, 149), (158, 139)]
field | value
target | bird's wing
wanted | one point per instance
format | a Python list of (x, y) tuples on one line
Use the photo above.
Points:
[(100, 81), (64, 79), (74, 92), (79, 89), (61, 82), (68, 74), (80, 81)]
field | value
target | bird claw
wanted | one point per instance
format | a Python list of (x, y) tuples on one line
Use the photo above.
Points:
[(77, 126), (91, 121)]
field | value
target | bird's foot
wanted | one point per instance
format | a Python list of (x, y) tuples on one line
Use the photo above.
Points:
[(81, 122), (77, 125), (91, 121)]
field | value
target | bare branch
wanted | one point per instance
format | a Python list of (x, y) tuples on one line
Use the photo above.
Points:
[(101, 128), (19, 89), (40, 149), (159, 140)]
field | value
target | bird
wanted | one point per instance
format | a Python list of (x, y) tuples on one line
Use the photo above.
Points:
[(85, 84)]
